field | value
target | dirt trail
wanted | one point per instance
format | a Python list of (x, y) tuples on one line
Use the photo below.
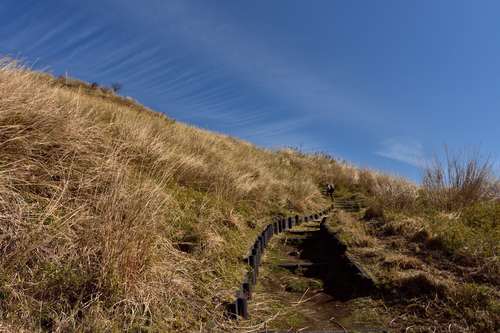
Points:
[(294, 281)]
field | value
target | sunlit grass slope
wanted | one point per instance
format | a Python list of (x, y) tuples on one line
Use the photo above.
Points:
[(115, 217)]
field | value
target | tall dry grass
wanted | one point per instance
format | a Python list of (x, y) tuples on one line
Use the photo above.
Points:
[(458, 181), (96, 193), (391, 192), (80, 234)]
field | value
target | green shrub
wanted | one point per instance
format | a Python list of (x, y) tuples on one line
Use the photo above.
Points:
[(484, 215)]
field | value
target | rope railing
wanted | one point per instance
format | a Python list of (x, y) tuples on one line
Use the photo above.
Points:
[(239, 307)]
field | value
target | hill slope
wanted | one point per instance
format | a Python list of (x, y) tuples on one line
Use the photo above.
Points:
[(114, 217), (97, 192)]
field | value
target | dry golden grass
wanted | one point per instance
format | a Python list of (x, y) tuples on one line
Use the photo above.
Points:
[(427, 284), (114, 217), (97, 194), (459, 181)]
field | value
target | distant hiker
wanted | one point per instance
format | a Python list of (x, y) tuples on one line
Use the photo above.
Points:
[(330, 189)]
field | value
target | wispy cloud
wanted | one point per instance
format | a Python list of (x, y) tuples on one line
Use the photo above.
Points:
[(264, 67), (194, 63), (403, 150), (269, 70)]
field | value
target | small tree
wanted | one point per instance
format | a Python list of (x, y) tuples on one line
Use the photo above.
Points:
[(116, 87)]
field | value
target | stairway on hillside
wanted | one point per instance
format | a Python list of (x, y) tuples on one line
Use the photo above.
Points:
[(350, 204), (297, 279)]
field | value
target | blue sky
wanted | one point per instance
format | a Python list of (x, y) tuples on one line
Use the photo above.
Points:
[(383, 84)]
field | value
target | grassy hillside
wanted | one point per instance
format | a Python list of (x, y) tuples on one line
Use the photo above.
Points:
[(114, 217)]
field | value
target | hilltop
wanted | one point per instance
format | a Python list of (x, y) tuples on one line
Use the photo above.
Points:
[(115, 217)]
